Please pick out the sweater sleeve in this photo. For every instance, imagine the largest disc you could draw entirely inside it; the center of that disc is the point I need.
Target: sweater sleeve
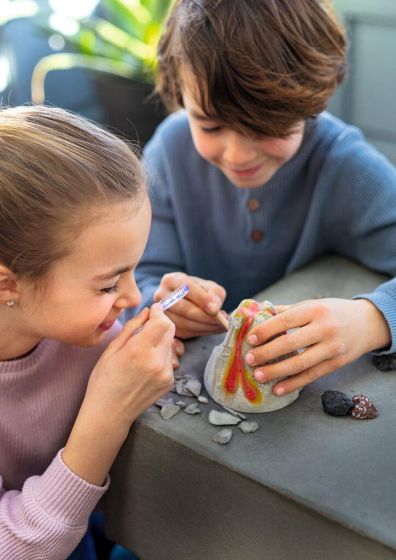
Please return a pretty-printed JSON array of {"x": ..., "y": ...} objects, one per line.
[
  {"x": 363, "y": 224},
  {"x": 49, "y": 516}
]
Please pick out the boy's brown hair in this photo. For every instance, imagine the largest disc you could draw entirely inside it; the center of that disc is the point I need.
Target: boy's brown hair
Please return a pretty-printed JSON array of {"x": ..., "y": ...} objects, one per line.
[
  {"x": 259, "y": 66},
  {"x": 57, "y": 171}
]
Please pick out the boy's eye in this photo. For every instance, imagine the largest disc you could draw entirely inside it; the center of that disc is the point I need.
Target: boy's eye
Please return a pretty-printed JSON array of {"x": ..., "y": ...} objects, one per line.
[
  {"x": 211, "y": 130},
  {"x": 110, "y": 289}
]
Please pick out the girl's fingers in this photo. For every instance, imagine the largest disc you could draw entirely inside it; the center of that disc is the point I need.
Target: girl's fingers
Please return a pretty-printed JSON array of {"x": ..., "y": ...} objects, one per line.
[
  {"x": 296, "y": 364},
  {"x": 156, "y": 329},
  {"x": 283, "y": 344},
  {"x": 178, "y": 346},
  {"x": 129, "y": 329}
]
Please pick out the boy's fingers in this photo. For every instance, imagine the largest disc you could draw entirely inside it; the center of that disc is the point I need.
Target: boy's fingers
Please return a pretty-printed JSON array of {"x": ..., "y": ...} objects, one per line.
[
  {"x": 296, "y": 316},
  {"x": 188, "y": 310},
  {"x": 194, "y": 327},
  {"x": 198, "y": 294}
]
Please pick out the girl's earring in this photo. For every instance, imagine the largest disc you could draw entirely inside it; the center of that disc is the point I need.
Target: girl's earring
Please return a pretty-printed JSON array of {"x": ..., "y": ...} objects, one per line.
[{"x": 10, "y": 302}]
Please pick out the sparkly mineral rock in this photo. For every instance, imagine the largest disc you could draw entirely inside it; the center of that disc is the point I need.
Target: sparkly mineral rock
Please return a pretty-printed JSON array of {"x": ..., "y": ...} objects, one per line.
[{"x": 364, "y": 408}]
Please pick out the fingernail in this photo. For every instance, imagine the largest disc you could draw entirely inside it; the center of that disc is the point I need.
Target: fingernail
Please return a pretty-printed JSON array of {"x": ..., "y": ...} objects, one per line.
[
  {"x": 249, "y": 358},
  {"x": 279, "y": 391},
  {"x": 212, "y": 307},
  {"x": 259, "y": 376},
  {"x": 252, "y": 339}
]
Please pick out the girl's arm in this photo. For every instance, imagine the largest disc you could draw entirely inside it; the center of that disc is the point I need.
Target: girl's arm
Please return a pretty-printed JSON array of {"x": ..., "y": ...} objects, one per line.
[
  {"x": 47, "y": 519},
  {"x": 49, "y": 516}
]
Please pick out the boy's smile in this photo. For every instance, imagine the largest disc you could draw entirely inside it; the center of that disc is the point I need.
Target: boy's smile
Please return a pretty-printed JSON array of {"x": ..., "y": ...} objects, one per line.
[{"x": 246, "y": 162}]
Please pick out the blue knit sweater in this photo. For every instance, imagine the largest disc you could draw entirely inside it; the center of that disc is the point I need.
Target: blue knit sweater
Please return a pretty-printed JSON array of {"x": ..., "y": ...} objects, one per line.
[{"x": 337, "y": 195}]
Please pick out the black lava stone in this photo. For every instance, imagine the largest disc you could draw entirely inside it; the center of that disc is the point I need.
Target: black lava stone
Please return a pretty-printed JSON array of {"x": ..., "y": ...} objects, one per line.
[
  {"x": 336, "y": 403},
  {"x": 385, "y": 362}
]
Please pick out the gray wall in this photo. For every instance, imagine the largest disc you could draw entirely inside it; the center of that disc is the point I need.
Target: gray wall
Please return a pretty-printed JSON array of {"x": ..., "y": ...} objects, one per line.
[{"x": 368, "y": 98}]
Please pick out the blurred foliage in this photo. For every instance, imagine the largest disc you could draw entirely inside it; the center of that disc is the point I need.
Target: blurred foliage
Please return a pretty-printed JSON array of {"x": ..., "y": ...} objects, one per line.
[{"x": 119, "y": 38}]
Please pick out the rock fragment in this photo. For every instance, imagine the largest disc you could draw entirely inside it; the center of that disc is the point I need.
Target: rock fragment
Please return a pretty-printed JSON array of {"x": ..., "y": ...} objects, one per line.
[
  {"x": 235, "y": 413},
  {"x": 336, "y": 403},
  {"x": 182, "y": 404},
  {"x": 385, "y": 362},
  {"x": 169, "y": 410},
  {"x": 248, "y": 427},
  {"x": 223, "y": 437},
  {"x": 192, "y": 409},
  {"x": 194, "y": 386},
  {"x": 203, "y": 399},
  {"x": 364, "y": 408},
  {"x": 223, "y": 418}
]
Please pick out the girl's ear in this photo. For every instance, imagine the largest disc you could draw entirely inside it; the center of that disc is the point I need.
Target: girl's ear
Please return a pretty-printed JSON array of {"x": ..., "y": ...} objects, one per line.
[{"x": 8, "y": 286}]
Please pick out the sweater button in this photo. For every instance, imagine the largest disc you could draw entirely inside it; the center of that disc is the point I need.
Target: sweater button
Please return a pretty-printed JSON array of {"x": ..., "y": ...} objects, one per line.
[
  {"x": 257, "y": 235},
  {"x": 253, "y": 204}
]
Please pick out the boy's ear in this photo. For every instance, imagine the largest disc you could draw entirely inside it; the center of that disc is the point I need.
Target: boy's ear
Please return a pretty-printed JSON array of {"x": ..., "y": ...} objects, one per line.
[{"x": 8, "y": 285}]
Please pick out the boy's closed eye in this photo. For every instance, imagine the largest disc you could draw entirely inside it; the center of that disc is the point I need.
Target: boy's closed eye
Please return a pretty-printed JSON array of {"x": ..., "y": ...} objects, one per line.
[{"x": 211, "y": 129}]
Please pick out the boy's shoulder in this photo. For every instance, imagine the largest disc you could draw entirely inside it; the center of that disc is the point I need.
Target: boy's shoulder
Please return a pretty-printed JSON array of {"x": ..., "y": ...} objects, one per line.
[{"x": 173, "y": 132}]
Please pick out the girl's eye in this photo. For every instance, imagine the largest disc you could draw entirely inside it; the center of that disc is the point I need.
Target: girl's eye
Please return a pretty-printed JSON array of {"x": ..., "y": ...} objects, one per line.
[
  {"x": 110, "y": 289},
  {"x": 211, "y": 130}
]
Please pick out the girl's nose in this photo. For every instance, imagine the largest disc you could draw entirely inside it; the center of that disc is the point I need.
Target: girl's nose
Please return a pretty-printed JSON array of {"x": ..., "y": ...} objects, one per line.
[{"x": 129, "y": 293}]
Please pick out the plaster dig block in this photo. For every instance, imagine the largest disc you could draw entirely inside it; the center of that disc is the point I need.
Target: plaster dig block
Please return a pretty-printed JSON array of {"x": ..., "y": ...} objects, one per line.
[{"x": 228, "y": 378}]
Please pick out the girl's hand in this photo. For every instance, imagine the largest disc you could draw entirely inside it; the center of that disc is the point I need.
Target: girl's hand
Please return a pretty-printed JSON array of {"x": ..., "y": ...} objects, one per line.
[
  {"x": 331, "y": 332},
  {"x": 177, "y": 352},
  {"x": 194, "y": 315},
  {"x": 135, "y": 370}
]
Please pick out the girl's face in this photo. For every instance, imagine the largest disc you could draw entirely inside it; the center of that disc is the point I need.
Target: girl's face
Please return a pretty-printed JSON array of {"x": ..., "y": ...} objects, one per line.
[
  {"x": 89, "y": 288},
  {"x": 246, "y": 162}
]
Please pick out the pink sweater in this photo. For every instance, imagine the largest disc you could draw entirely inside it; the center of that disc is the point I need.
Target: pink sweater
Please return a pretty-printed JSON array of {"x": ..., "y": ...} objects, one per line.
[{"x": 44, "y": 507}]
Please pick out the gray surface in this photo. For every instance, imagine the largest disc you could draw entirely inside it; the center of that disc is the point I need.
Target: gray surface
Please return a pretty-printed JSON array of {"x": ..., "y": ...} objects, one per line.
[{"x": 305, "y": 485}]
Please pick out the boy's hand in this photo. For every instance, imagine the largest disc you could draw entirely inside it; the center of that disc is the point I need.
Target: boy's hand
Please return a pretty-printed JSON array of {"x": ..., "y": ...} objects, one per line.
[
  {"x": 331, "y": 332},
  {"x": 194, "y": 315}
]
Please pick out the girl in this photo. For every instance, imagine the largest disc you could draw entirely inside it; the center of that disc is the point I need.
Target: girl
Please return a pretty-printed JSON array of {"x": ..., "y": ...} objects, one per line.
[
  {"x": 253, "y": 180},
  {"x": 74, "y": 220}
]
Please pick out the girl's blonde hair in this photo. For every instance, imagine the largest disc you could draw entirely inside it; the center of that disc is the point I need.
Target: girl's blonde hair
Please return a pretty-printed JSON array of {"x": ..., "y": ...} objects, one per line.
[{"x": 55, "y": 167}]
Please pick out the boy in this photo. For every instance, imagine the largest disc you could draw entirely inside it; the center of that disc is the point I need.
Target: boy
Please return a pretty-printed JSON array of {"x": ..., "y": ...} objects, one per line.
[{"x": 253, "y": 180}]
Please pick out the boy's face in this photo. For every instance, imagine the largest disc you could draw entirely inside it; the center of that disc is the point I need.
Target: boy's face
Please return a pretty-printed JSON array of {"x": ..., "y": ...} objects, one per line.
[
  {"x": 247, "y": 163},
  {"x": 89, "y": 288}
]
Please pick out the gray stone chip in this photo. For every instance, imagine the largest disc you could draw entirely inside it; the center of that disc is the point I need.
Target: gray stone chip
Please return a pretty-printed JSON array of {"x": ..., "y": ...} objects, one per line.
[
  {"x": 223, "y": 437},
  {"x": 223, "y": 418},
  {"x": 169, "y": 410},
  {"x": 235, "y": 413},
  {"x": 192, "y": 409},
  {"x": 194, "y": 386},
  {"x": 203, "y": 399},
  {"x": 248, "y": 427}
]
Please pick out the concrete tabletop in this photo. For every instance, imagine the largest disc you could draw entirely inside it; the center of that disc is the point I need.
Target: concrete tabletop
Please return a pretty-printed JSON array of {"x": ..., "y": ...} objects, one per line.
[{"x": 306, "y": 485}]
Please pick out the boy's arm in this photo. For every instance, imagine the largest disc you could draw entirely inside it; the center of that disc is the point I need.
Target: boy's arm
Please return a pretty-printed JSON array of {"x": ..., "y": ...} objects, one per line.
[{"x": 163, "y": 253}]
